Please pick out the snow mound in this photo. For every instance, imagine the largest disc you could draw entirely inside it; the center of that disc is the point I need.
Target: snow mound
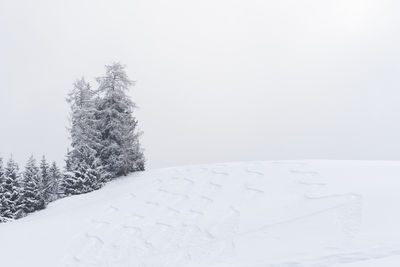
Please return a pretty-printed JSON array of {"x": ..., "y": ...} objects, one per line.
[{"x": 256, "y": 214}]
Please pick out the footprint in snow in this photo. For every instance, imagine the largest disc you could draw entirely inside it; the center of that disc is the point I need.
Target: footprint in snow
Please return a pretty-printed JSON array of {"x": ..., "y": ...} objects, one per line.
[
  {"x": 163, "y": 191},
  {"x": 130, "y": 196},
  {"x": 148, "y": 244},
  {"x": 253, "y": 189},
  {"x": 183, "y": 196},
  {"x": 235, "y": 210},
  {"x": 311, "y": 183},
  {"x": 303, "y": 172},
  {"x": 207, "y": 199},
  {"x": 100, "y": 223},
  {"x": 164, "y": 224},
  {"x": 152, "y": 203},
  {"x": 113, "y": 208},
  {"x": 94, "y": 237},
  {"x": 220, "y": 173},
  {"x": 189, "y": 180},
  {"x": 136, "y": 216},
  {"x": 195, "y": 227},
  {"x": 132, "y": 229},
  {"x": 199, "y": 213},
  {"x": 174, "y": 210},
  {"x": 254, "y": 172},
  {"x": 158, "y": 180},
  {"x": 210, "y": 235},
  {"x": 215, "y": 185}
]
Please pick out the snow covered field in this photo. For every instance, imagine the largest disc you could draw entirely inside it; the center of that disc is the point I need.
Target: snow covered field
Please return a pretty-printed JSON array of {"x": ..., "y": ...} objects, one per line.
[{"x": 255, "y": 214}]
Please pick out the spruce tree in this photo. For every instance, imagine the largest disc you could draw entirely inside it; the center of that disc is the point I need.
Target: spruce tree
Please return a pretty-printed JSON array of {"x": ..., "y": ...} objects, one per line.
[
  {"x": 11, "y": 206},
  {"x": 1, "y": 169},
  {"x": 81, "y": 180},
  {"x": 1, "y": 173},
  {"x": 32, "y": 183},
  {"x": 83, "y": 168},
  {"x": 120, "y": 151},
  {"x": 46, "y": 181},
  {"x": 2, "y": 180},
  {"x": 55, "y": 177}
]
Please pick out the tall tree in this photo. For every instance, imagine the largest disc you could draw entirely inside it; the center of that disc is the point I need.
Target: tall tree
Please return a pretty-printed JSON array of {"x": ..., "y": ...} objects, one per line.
[
  {"x": 120, "y": 151},
  {"x": 11, "y": 206},
  {"x": 83, "y": 168},
  {"x": 32, "y": 183}
]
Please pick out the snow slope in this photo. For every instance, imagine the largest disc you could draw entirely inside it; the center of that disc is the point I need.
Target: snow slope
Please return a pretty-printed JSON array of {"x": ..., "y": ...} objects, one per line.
[{"x": 256, "y": 214}]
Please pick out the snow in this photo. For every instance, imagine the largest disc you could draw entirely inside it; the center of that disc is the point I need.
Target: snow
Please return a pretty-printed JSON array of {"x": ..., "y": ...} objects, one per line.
[{"x": 251, "y": 214}]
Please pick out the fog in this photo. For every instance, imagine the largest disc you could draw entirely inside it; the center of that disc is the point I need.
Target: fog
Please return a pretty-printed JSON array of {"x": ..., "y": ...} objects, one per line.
[{"x": 217, "y": 80}]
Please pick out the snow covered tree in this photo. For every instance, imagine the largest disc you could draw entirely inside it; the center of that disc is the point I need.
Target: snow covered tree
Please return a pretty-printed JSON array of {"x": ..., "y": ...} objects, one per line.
[
  {"x": 46, "y": 180},
  {"x": 55, "y": 177},
  {"x": 83, "y": 179},
  {"x": 32, "y": 184},
  {"x": 11, "y": 206},
  {"x": 104, "y": 135},
  {"x": 1, "y": 173},
  {"x": 2, "y": 179},
  {"x": 120, "y": 151},
  {"x": 83, "y": 167},
  {"x": 1, "y": 169}
]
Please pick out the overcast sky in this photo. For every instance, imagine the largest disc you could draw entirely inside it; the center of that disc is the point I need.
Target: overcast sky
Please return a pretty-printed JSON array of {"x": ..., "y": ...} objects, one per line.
[{"x": 217, "y": 80}]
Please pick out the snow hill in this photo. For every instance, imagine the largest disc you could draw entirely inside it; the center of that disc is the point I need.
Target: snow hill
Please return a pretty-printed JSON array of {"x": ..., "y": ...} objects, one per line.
[{"x": 256, "y": 214}]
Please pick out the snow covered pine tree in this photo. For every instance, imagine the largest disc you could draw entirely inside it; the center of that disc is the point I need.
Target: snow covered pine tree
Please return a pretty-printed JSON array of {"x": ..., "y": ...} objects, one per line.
[
  {"x": 1, "y": 169},
  {"x": 54, "y": 188},
  {"x": 83, "y": 169},
  {"x": 104, "y": 135},
  {"x": 11, "y": 206},
  {"x": 2, "y": 180},
  {"x": 32, "y": 183},
  {"x": 48, "y": 181},
  {"x": 120, "y": 151}
]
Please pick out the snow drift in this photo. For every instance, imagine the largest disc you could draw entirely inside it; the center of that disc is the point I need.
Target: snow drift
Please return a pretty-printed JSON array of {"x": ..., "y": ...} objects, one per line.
[{"x": 256, "y": 214}]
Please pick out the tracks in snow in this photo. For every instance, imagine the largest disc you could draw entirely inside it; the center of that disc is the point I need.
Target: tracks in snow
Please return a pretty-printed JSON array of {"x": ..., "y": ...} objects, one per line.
[
  {"x": 349, "y": 213},
  {"x": 173, "y": 222},
  {"x": 178, "y": 208},
  {"x": 339, "y": 258}
]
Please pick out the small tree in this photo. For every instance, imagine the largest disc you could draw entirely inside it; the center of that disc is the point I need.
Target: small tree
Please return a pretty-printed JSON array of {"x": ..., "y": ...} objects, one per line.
[
  {"x": 11, "y": 206},
  {"x": 82, "y": 180},
  {"x": 1, "y": 173},
  {"x": 56, "y": 178},
  {"x": 47, "y": 182},
  {"x": 1, "y": 170},
  {"x": 33, "y": 198},
  {"x": 2, "y": 180}
]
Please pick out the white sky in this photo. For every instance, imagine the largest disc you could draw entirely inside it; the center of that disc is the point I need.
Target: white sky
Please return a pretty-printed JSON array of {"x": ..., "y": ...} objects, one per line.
[{"x": 217, "y": 80}]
